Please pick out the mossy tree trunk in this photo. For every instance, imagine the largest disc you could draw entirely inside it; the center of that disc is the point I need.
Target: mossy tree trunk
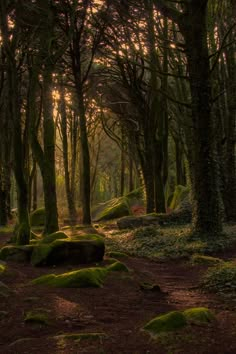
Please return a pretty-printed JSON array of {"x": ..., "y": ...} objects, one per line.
[
  {"x": 207, "y": 212},
  {"x": 68, "y": 174},
  {"x": 9, "y": 47}
]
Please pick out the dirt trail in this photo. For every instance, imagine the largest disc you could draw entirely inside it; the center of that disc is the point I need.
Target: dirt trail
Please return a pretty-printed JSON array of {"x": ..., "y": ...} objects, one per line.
[{"x": 119, "y": 309}]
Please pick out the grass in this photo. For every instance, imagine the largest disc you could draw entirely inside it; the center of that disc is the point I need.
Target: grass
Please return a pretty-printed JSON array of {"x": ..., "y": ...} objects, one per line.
[{"x": 167, "y": 242}]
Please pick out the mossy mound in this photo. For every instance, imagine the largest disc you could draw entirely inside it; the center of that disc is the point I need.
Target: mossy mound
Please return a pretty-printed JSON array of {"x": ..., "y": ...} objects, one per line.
[
  {"x": 77, "y": 250},
  {"x": 221, "y": 278},
  {"x": 205, "y": 260},
  {"x": 117, "y": 254},
  {"x": 83, "y": 278},
  {"x": 117, "y": 267},
  {"x": 53, "y": 237},
  {"x": 198, "y": 315},
  {"x": 180, "y": 193},
  {"x": 36, "y": 317},
  {"x": 113, "y": 209},
  {"x": 168, "y": 322},
  {"x": 37, "y": 217},
  {"x": 2, "y": 268},
  {"x": 16, "y": 253},
  {"x": 77, "y": 337}
]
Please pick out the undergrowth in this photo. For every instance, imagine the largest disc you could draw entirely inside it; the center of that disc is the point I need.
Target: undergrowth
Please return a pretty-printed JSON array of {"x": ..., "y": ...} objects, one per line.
[{"x": 167, "y": 242}]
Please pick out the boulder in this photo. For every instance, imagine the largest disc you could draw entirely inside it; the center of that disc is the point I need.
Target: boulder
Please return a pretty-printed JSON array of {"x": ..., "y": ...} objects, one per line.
[
  {"x": 132, "y": 222},
  {"x": 81, "y": 249},
  {"x": 37, "y": 217},
  {"x": 112, "y": 209},
  {"x": 16, "y": 253}
]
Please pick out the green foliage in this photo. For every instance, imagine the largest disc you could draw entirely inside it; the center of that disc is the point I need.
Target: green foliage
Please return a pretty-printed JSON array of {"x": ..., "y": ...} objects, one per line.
[
  {"x": 36, "y": 317},
  {"x": 167, "y": 242},
  {"x": 205, "y": 260},
  {"x": 37, "y": 217},
  {"x": 168, "y": 322},
  {"x": 83, "y": 278},
  {"x": 117, "y": 267},
  {"x": 198, "y": 315},
  {"x": 180, "y": 194},
  {"x": 2, "y": 268},
  {"x": 221, "y": 279}
]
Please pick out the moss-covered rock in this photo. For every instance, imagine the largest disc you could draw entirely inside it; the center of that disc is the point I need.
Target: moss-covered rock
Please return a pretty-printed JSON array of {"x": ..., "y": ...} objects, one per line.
[
  {"x": 16, "y": 253},
  {"x": 116, "y": 254},
  {"x": 59, "y": 235},
  {"x": 83, "y": 278},
  {"x": 36, "y": 317},
  {"x": 117, "y": 267},
  {"x": 37, "y": 217},
  {"x": 205, "y": 260},
  {"x": 77, "y": 250},
  {"x": 198, "y": 315},
  {"x": 168, "y": 322},
  {"x": 131, "y": 222},
  {"x": 115, "y": 208}
]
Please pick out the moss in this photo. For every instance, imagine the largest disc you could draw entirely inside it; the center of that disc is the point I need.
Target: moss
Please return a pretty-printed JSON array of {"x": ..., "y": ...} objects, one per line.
[
  {"x": 150, "y": 287},
  {"x": 180, "y": 194},
  {"x": 205, "y": 260},
  {"x": 117, "y": 254},
  {"x": 75, "y": 250},
  {"x": 83, "y": 278},
  {"x": 114, "y": 208},
  {"x": 168, "y": 322},
  {"x": 117, "y": 267},
  {"x": 37, "y": 217},
  {"x": 36, "y": 317},
  {"x": 16, "y": 253},
  {"x": 198, "y": 315},
  {"x": 2, "y": 268},
  {"x": 77, "y": 337},
  {"x": 52, "y": 237},
  {"x": 6, "y": 229}
]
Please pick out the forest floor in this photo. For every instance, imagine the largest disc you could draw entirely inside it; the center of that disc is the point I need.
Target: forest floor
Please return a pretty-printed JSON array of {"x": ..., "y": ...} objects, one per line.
[{"x": 118, "y": 311}]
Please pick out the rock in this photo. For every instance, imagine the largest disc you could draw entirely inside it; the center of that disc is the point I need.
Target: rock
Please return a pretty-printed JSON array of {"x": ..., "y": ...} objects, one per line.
[
  {"x": 36, "y": 317},
  {"x": 83, "y": 278},
  {"x": 116, "y": 254},
  {"x": 168, "y": 322},
  {"x": 112, "y": 209},
  {"x": 53, "y": 237},
  {"x": 198, "y": 315},
  {"x": 117, "y": 267},
  {"x": 16, "y": 253},
  {"x": 131, "y": 222},
  {"x": 37, "y": 217},
  {"x": 150, "y": 287},
  {"x": 78, "y": 250}
]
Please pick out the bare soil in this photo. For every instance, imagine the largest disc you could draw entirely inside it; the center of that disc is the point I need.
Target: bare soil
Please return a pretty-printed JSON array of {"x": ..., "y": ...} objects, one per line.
[{"x": 119, "y": 310}]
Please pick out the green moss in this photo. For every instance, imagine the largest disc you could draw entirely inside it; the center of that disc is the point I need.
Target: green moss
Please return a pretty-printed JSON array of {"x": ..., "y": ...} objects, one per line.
[
  {"x": 36, "y": 317},
  {"x": 198, "y": 315},
  {"x": 77, "y": 249},
  {"x": 6, "y": 229},
  {"x": 52, "y": 237},
  {"x": 221, "y": 279},
  {"x": 150, "y": 287},
  {"x": 2, "y": 268},
  {"x": 37, "y": 217},
  {"x": 16, "y": 253},
  {"x": 180, "y": 194},
  {"x": 117, "y": 267},
  {"x": 168, "y": 322},
  {"x": 115, "y": 210},
  {"x": 117, "y": 254},
  {"x": 77, "y": 337},
  {"x": 83, "y": 278},
  {"x": 205, "y": 260}
]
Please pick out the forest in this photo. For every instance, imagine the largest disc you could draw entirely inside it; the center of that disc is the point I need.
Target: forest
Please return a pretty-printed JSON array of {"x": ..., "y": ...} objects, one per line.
[{"x": 118, "y": 176}]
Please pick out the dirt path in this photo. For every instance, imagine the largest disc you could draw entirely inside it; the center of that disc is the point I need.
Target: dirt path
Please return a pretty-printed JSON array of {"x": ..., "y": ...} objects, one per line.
[{"x": 119, "y": 309}]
